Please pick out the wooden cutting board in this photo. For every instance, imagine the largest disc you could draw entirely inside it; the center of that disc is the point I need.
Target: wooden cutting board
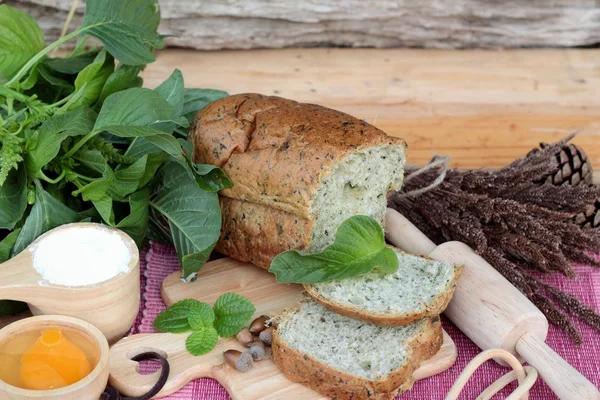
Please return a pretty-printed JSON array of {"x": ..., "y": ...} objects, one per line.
[{"x": 264, "y": 381}]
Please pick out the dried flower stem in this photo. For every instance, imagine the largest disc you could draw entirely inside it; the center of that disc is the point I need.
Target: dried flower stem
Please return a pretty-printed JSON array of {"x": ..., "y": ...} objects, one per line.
[{"x": 520, "y": 227}]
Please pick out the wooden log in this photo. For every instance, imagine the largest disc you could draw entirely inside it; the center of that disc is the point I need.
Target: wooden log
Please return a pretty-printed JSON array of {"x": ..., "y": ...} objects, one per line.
[{"x": 245, "y": 24}]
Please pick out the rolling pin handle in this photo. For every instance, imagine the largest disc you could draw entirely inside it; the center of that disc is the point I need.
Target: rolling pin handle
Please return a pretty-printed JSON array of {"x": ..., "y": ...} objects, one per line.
[
  {"x": 405, "y": 235},
  {"x": 563, "y": 379}
]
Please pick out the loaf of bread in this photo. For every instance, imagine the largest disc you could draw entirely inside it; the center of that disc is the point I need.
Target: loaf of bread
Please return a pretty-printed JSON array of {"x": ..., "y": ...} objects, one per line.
[
  {"x": 347, "y": 359},
  {"x": 420, "y": 288},
  {"x": 299, "y": 170}
]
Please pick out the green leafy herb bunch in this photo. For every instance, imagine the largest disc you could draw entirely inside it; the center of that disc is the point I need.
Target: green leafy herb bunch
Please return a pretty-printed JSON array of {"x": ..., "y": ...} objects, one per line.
[{"x": 81, "y": 140}]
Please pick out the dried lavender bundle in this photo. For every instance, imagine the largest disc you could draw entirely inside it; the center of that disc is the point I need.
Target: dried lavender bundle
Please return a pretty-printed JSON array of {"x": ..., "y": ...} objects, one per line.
[{"x": 520, "y": 226}]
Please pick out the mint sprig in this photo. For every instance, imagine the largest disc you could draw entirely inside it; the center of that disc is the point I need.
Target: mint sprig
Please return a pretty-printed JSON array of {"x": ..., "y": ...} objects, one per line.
[
  {"x": 229, "y": 315},
  {"x": 232, "y": 312},
  {"x": 359, "y": 247},
  {"x": 202, "y": 341},
  {"x": 201, "y": 317}
]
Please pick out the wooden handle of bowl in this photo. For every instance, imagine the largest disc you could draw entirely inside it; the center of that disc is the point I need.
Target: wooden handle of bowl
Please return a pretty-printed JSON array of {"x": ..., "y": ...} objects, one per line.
[
  {"x": 488, "y": 308},
  {"x": 563, "y": 379},
  {"x": 17, "y": 274}
]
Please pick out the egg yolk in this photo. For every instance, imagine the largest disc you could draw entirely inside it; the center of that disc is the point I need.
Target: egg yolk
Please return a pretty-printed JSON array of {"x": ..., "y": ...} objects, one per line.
[{"x": 53, "y": 362}]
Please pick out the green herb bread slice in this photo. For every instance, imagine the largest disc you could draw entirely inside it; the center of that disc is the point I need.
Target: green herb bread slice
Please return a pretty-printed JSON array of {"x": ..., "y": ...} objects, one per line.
[
  {"x": 299, "y": 170},
  {"x": 344, "y": 358},
  {"x": 421, "y": 287}
]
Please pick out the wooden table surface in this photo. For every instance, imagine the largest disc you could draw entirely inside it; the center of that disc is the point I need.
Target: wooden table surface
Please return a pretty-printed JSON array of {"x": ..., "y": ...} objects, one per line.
[{"x": 482, "y": 108}]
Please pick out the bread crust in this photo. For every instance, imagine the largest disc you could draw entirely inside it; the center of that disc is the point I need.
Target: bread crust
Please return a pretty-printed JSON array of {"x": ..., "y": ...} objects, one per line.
[
  {"x": 338, "y": 385},
  {"x": 276, "y": 151},
  {"x": 433, "y": 309},
  {"x": 257, "y": 233}
]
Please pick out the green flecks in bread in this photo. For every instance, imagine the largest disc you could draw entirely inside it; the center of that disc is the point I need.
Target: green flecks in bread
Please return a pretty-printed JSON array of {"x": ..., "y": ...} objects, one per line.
[
  {"x": 420, "y": 287},
  {"x": 356, "y": 186}
]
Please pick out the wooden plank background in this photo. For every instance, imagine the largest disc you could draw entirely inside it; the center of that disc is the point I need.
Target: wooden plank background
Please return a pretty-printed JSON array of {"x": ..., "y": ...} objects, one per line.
[{"x": 482, "y": 108}]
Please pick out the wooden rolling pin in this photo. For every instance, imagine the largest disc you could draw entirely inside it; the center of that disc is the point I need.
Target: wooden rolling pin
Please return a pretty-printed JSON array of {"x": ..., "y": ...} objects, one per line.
[{"x": 492, "y": 312}]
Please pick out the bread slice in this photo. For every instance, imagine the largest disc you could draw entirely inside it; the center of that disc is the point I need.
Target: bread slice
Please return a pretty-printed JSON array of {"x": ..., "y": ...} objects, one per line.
[
  {"x": 421, "y": 287},
  {"x": 299, "y": 170},
  {"x": 344, "y": 358}
]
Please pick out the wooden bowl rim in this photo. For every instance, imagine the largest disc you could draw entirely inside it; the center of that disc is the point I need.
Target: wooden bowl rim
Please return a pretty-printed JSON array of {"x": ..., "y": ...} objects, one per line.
[
  {"x": 133, "y": 265},
  {"x": 58, "y": 320}
]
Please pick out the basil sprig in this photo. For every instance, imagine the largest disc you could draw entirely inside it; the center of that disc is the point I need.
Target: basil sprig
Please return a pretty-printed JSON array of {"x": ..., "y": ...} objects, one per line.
[
  {"x": 81, "y": 140},
  {"x": 359, "y": 247}
]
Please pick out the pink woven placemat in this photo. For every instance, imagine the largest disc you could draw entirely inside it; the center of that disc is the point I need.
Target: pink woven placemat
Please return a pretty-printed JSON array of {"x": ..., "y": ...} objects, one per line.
[{"x": 160, "y": 260}]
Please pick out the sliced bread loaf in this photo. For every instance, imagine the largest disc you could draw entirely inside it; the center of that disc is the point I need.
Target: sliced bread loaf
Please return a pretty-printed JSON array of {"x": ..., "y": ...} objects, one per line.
[
  {"x": 299, "y": 170},
  {"x": 421, "y": 287},
  {"x": 344, "y": 358}
]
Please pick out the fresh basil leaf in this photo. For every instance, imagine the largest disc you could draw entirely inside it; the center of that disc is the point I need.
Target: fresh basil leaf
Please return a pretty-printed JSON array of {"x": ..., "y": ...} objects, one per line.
[
  {"x": 93, "y": 160},
  {"x": 127, "y": 180},
  {"x": 133, "y": 107},
  {"x": 45, "y": 144},
  {"x": 80, "y": 46},
  {"x": 92, "y": 78},
  {"x": 140, "y": 147},
  {"x": 97, "y": 189},
  {"x": 170, "y": 125},
  {"x": 156, "y": 157},
  {"x": 188, "y": 149},
  {"x": 47, "y": 213},
  {"x": 7, "y": 244},
  {"x": 202, "y": 341},
  {"x": 70, "y": 65},
  {"x": 128, "y": 29},
  {"x": 211, "y": 178},
  {"x": 31, "y": 79},
  {"x": 13, "y": 198},
  {"x": 155, "y": 160},
  {"x": 358, "y": 248},
  {"x": 158, "y": 139},
  {"x": 124, "y": 77},
  {"x": 193, "y": 214},
  {"x": 172, "y": 91},
  {"x": 157, "y": 231},
  {"x": 74, "y": 101},
  {"x": 232, "y": 313},
  {"x": 192, "y": 262},
  {"x": 132, "y": 131},
  {"x": 20, "y": 39},
  {"x": 104, "y": 206},
  {"x": 136, "y": 223},
  {"x": 52, "y": 79},
  {"x": 194, "y": 100},
  {"x": 175, "y": 318},
  {"x": 201, "y": 316}
]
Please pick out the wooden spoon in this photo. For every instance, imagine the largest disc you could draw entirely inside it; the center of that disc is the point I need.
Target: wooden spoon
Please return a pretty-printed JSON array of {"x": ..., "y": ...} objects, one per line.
[{"x": 111, "y": 305}]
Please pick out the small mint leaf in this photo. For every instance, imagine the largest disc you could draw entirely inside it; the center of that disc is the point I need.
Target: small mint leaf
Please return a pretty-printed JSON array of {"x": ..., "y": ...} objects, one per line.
[
  {"x": 175, "y": 318},
  {"x": 232, "y": 313},
  {"x": 202, "y": 341},
  {"x": 201, "y": 316}
]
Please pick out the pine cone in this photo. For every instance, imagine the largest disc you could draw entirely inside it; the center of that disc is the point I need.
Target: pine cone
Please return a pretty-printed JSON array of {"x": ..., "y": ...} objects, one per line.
[
  {"x": 575, "y": 167},
  {"x": 590, "y": 218}
]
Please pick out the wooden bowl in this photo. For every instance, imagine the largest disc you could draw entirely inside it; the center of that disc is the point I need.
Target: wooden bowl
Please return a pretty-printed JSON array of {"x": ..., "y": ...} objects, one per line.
[
  {"x": 89, "y": 388},
  {"x": 111, "y": 305}
]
